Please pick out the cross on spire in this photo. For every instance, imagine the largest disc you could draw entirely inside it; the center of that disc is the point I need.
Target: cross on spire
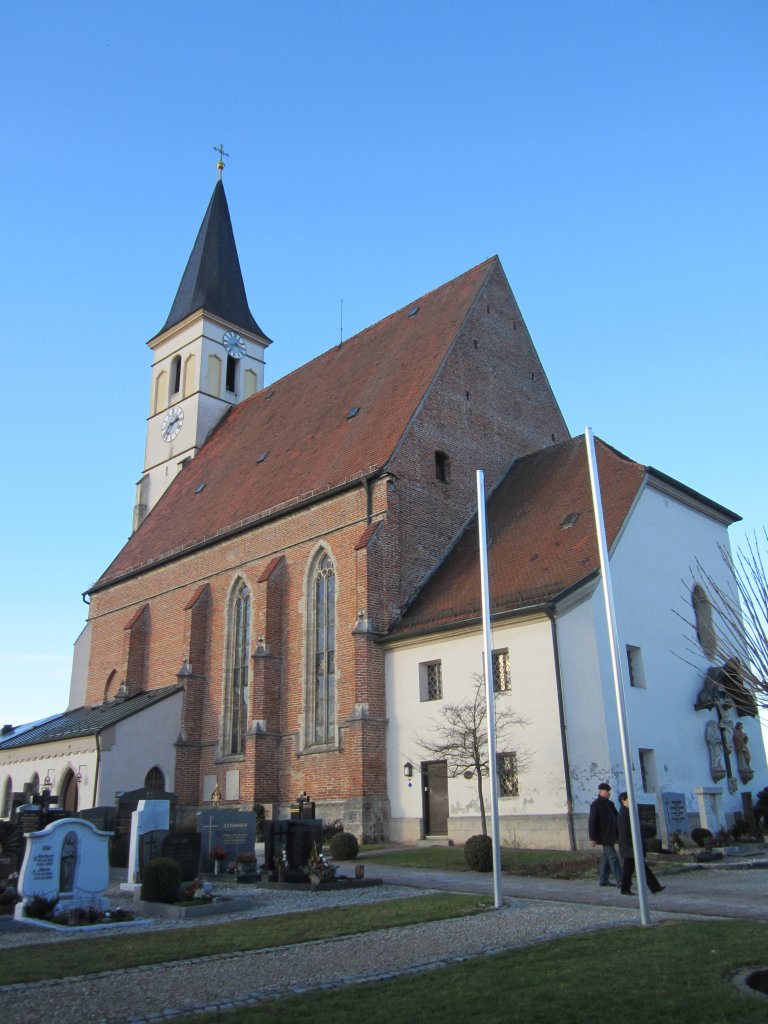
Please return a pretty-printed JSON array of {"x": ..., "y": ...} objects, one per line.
[{"x": 220, "y": 165}]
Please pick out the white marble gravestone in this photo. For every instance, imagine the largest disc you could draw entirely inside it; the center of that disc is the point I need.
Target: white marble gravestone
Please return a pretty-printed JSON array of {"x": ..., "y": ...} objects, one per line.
[
  {"x": 149, "y": 816},
  {"x": 68, "y": 860}
]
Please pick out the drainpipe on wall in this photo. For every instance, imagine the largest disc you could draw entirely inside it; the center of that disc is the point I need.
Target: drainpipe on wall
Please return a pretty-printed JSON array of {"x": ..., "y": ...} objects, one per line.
[
  {"x": 563, "y": 737},
  {"x": 96, "y": 773}
]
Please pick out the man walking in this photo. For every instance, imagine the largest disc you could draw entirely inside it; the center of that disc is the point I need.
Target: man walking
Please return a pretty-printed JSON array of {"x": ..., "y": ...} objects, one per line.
[{"x": 603, "y": 831}]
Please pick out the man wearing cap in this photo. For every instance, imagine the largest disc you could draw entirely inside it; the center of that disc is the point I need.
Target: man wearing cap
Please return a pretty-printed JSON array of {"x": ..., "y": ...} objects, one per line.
[{"x": 604, "y": 831}]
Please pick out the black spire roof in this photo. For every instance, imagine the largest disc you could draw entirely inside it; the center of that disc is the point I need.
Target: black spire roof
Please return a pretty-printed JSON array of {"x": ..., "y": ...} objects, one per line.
[{"x": 213, "y": 280}]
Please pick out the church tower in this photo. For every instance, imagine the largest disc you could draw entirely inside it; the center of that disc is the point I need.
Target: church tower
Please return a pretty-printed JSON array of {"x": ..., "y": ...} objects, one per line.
[{"x": 208, "y": 357}]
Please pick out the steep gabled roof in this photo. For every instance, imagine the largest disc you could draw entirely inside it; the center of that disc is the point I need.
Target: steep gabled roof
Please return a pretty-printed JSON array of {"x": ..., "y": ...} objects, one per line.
[
  {"x": 87, "y": 721},
  {"x": 212, "y": 279},
  {"x": 334, "y": 420},
  {"x": 541, "y": 536}
]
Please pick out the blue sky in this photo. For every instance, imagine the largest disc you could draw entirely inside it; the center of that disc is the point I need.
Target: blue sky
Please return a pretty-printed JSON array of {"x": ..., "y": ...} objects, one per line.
[{"x": 612, "y": 153}]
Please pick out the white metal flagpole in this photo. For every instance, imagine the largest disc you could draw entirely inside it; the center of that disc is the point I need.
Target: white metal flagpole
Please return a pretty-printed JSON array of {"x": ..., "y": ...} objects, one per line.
[
  {"x": 489, "y": 697},
  {"x": 610, "y": 611}
]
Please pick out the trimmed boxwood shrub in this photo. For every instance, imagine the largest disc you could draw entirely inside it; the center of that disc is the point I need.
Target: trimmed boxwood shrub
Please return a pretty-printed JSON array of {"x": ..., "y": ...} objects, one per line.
[
  {"x": 478, "y": 853},
  {"x": 161, "y": 881},
  {"x": 344, "y": 846}
]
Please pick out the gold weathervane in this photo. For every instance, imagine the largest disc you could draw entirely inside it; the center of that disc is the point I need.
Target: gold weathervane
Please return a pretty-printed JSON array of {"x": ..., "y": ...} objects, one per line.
[{"x": 220, "y": 165}]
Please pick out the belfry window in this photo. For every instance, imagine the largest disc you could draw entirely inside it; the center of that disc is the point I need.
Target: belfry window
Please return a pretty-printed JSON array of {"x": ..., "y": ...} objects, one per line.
[
  {"x": 323, "y": 652},
  {"x": 231, "y": 375},
  {"x": 237, "y": 690},
  {"x": 175, "y": 375},
  {"x": 442, "y": 467}
]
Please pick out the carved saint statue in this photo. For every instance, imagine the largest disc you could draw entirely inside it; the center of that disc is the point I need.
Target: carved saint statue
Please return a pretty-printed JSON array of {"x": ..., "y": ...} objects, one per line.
[
  {"x": 715, "y": 744},
  {"x": 743, "y": 756}
]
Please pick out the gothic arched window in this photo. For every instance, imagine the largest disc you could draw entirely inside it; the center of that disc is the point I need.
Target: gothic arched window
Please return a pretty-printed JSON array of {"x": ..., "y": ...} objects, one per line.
[
  {"x": 237, "y": 684},
  {"x": 322, "y": 661},
  {"x": 155, "y": 780}
]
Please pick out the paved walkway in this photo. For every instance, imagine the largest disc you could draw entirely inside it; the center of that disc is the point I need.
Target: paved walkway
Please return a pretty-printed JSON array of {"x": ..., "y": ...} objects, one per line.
[{"x": 535, "y": 910}]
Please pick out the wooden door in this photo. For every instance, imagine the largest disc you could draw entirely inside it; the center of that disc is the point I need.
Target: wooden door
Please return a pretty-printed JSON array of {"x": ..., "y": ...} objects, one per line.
[{"x": 434, "y": 780}]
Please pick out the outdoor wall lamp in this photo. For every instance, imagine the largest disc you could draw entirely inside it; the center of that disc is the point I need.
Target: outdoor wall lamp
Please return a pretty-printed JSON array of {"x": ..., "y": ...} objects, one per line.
[
  {"x": 48, "y": 780},
  {"x": 408, "y": 770},
  {"x": 79, "y": 776}
]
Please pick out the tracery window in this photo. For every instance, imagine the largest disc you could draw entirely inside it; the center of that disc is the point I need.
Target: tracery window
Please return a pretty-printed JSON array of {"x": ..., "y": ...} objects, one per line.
[
  {"x": 323, "y": 652},
  {"x": 239, "y": 632}
]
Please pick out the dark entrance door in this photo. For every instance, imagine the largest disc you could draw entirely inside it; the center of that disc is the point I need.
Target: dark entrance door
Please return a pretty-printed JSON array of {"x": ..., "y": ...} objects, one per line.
[{"x": 434, "y": 782}]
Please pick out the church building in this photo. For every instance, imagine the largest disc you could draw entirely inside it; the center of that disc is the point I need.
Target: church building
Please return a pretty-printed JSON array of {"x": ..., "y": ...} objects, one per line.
[{"x": 299, "y": 593}]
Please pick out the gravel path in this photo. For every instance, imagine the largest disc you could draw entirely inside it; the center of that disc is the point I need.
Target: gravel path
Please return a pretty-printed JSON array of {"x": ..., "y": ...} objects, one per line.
[{"x": 222, "y": 982}]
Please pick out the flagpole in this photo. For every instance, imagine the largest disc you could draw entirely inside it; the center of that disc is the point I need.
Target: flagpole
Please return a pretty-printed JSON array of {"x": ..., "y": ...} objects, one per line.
[
  {"x": 621, "y": 709},
  {"x": 489, "y": 697}
]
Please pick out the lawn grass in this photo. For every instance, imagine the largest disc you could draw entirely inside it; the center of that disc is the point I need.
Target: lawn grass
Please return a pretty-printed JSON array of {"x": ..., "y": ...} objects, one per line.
[
  {"x": 137, "y": 947},
  {"x": 540, "y": 863},
  {"x": 671, "y": 972}
]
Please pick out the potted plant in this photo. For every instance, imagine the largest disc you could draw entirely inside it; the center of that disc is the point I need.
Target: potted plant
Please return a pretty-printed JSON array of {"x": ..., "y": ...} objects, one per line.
[
  {"x": 219, "y": 855},
  {"x": 245, "y": 867}
]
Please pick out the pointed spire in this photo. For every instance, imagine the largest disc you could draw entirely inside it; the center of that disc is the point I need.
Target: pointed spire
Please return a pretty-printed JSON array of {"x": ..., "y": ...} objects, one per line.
[{"x": 213, "y": 280}]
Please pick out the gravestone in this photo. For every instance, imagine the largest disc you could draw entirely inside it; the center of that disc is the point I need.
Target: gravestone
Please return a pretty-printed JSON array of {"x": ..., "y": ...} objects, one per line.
[
  {"x": 127, "y": 803},
  {"x": 184, "y": 848},
  {"x": 235, "y": 831},
  {"x": 150, "y": 847},
  {"x": 294, "y": 838},
  {"x": 149, "y": 816},
  {"x": 104, "y": 818},
  {"x": 29, "y": 818},
  {"x": 647, "y": 815},
  {"x": 674, "y": 817},
  {"x": 68, "y": 860}
]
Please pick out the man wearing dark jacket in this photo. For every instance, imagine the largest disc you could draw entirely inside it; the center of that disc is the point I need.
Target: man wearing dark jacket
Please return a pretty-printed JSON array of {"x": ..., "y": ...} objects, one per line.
[
  {"x": 603, "y": 831},
  {"x": 627, "y": 852}
]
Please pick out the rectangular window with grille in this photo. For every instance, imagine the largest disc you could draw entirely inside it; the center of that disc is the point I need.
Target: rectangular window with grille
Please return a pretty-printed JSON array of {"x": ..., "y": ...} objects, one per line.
[
  {"x": 506, "y": 766},
  {"x": 430, "y": 681},
  {"x": 636, "y": 669},
  {"x": 502, "y": 682}
]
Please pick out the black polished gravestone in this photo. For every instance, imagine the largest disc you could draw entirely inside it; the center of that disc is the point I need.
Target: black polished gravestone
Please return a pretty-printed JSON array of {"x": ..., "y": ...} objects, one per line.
[
  {"x": 647, "y": 815},
  {"x": 232, "y": 831},
  {"x": 103, "y": 817},
  {"x": 288, "y": 845},
  {"x": 150, "y": 847},
  {"x": 184, "y": 848}
]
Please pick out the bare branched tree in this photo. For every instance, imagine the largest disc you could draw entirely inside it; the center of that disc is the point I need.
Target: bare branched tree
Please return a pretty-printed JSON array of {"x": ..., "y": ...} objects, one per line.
[
  {"x": 736, "y": 631},
  {"x": 460, "y": 738}
]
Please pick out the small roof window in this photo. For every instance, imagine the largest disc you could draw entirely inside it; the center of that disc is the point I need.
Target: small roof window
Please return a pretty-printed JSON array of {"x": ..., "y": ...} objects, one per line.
[
  {"x": 263, "y": 456},
  {"x": 570, "y": 520},
  {"x": 200, "y": 487},
  {"x": 414, "y": 311},
  {"x": 353, "y": 412}
]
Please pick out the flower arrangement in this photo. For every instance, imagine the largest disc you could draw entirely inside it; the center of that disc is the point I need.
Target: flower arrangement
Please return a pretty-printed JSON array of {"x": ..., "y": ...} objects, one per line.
[
  {"x": 219, "y": 855},
  {"x": 320, "y": 867},
  {"x": 197, "y": 890}
]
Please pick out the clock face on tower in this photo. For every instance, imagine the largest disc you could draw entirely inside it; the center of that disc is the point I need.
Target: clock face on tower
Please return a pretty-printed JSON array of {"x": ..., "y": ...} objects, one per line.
[
  {"x": 234, "y": 345},
  {"x": 172, "y": 422}
]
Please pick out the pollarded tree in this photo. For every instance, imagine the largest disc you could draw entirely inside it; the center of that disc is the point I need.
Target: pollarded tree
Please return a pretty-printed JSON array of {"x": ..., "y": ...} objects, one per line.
[
  {"x": 731, "y": 622},
  {"x": 460, "y": 738}
]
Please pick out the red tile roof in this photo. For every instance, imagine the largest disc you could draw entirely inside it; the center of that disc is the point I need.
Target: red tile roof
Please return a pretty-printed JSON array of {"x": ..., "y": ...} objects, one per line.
[
  {"x": 302, "y": 422},
  {"x": 532, "y": 555}
]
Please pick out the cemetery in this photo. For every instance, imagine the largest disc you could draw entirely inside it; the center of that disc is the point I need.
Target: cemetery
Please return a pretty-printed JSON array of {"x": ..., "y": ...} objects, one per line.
[{"x": 55, "y": 868}]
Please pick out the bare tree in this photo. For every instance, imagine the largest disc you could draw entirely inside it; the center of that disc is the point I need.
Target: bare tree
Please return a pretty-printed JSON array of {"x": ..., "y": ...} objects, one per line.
[
  {"x": 460, "y": 738},
  {"x": 734, "y": 631}
]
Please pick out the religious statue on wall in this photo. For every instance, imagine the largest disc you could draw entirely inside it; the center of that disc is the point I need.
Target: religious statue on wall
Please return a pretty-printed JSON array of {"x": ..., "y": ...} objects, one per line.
[
  {"x": 743, "y": 756},
  {"x": 715, "y": 744}
]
